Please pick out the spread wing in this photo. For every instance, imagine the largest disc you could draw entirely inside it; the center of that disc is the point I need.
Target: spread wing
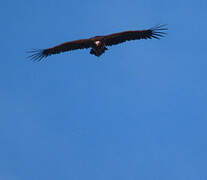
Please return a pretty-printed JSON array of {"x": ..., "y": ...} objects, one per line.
[
  {"x": 38, "y": 54},
  {"x": 116, "y": 38}
]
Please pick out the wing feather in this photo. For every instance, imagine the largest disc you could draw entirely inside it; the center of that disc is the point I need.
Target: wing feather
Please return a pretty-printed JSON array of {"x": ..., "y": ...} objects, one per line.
[
  {"x": 116, "y": 38},
  {"x": 38, "y": 54}
]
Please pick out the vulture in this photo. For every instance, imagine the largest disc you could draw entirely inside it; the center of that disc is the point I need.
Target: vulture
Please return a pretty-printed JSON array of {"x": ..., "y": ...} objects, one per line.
[{"x": 98, "y": 44}]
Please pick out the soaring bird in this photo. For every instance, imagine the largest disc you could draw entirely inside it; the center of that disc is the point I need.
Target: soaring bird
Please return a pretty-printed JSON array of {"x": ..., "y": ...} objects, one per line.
[{"x": 98, "y": 43}]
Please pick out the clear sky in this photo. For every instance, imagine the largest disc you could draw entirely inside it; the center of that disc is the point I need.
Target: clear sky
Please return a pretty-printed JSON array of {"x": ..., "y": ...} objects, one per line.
[{"x": 138, "y": 112}]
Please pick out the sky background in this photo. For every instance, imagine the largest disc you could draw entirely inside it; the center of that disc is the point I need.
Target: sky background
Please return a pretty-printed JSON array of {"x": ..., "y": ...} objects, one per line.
[{"x": 137, "y": 112}]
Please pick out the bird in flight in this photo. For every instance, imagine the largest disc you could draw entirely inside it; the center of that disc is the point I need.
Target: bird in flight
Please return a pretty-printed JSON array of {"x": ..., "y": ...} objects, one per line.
[{"x": 98, "y": 44}]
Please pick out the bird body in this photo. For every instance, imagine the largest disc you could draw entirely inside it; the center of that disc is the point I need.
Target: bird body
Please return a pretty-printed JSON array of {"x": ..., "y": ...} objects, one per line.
[{"x": 98, "y": 43}]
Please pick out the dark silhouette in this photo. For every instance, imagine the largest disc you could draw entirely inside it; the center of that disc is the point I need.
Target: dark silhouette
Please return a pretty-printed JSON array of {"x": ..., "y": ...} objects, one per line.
[{"x": 98, "y": 43}]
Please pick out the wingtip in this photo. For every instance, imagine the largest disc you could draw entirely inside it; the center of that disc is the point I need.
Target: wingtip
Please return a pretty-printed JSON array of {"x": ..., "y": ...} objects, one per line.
[
  {"x": 159, "y": 31},
  {"x": 36, "y": 54}
]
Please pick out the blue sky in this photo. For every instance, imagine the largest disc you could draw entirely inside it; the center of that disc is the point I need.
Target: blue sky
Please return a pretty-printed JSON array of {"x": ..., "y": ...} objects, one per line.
[{"x": 137, "y": 112}]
